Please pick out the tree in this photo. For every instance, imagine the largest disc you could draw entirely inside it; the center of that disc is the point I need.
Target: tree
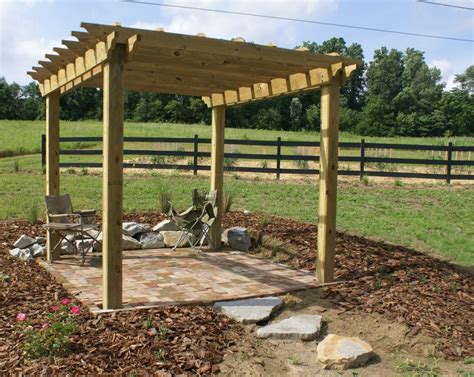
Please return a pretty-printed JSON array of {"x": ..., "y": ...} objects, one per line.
[
  {"x": 296, "y": 114},
  {"x": 81, "y": 104},
  {"x": 466, "y": 80},
  {"x": 9, "y": 100},
  {"x": 32, "y": 104}
]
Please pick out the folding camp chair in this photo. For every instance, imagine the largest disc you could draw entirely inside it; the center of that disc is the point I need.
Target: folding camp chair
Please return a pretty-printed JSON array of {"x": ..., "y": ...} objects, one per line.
[
  {"x": 195, "y": 222},
  {"x": 64, "y": 221}
]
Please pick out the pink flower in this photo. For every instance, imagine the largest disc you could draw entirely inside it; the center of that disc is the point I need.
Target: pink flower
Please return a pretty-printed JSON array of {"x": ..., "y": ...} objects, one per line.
[
  {"x": 21, "y": 317},
  {"x": 65, "y": 301},
  {"x": 44, "y": 326},
  {"x": 54, "y": 308},
  {"x": 76, "y": 310}
]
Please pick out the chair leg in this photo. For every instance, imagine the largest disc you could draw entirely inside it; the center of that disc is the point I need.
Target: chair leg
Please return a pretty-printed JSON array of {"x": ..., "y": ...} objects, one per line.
[{"x": 180, "y": 238}]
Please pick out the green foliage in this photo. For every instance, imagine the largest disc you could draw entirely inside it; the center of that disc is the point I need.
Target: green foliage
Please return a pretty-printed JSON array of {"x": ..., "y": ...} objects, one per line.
[
  {"x": 228, "y": 200},
  {"x": 4, "y": 277},
  {"x": 160, "y": 355},
  {"x": 33, "y": 213},
  {"x": 230, "y": 161},
  {"x": 148, "y": 323},
  {"x": 165, "y": 201},
  {"x": 412, "y": 368},
  {"x": 53, "y": 337},
  {"x": 16, "y": 166}
]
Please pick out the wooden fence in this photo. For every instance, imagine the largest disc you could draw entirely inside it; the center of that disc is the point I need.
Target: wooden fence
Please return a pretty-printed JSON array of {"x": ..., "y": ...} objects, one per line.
[{"x": 365, "y": 163}]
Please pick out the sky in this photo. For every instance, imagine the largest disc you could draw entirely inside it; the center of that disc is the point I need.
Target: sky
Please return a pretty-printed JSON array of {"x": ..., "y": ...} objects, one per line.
[{"x": 29, "y": 29}]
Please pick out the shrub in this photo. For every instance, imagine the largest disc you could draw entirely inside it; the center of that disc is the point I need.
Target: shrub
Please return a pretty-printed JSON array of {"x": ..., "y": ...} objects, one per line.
[
  {"x": 264, "y": 164},
  {"x": 16, "y": 166},
  {"x": 365, "y": 180},
  {"x": 158, "y": 160},
  {"x": 53, "y": 336},
  {"x": 228, "y": 200},
  {"x": 165, "y": 199},
  {"x": 302, "y": 164},
  {"x": 33, "y": 213},
  {"x": 230, "y": 161}
]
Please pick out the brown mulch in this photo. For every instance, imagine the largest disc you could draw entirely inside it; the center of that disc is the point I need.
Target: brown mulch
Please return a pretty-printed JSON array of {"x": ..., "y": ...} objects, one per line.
[
  {"x": 195, "y": 340},
  {"x": 404, "y": 285}
]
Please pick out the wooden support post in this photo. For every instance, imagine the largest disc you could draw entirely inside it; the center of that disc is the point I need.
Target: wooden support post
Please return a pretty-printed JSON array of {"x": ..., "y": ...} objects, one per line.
[
  {"x": 328, "y": 181},
  {"x": 52, "y": 163},
  {"x": 217, "y": 169},
  {"x": 112, "y": 196}
]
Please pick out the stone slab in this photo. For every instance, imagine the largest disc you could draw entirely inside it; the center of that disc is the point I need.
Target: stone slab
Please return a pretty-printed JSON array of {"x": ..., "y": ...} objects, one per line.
[
  {"x": 250, "y": 311},
  {"x": 299, "y": 327}
]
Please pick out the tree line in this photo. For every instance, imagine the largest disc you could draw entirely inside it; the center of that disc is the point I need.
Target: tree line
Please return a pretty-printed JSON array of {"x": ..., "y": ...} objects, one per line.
[{"x": 395, "y": 94}]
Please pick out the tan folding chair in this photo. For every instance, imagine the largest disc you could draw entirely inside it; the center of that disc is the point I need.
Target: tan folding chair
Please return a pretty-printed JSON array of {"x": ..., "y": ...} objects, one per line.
[{"x": 64, "y": 221}]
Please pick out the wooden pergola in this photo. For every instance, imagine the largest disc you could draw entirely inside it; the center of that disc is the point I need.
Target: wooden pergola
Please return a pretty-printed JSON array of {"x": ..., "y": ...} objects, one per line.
[{"x": 223, "y": 73}]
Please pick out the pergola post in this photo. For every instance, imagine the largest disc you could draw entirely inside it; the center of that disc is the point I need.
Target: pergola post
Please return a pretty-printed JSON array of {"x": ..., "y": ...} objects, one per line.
[
  {"x": 52, "y": 163},
  {"x": 217, "y": 170},
  {"x": 328, "y": 181},
  {"x": 112, "y": 197}
]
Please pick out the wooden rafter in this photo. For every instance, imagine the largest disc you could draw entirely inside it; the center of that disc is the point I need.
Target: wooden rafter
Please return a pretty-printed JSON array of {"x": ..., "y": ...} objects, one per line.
[{"x": 221, "y": 72}]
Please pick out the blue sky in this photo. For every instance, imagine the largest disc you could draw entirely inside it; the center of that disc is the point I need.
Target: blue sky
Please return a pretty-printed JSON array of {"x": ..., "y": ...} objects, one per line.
[{"x": 31, "y": 28}]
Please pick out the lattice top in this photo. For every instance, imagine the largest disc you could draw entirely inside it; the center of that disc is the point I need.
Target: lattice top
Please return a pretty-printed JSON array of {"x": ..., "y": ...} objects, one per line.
[{"x": 221, "y": 72}]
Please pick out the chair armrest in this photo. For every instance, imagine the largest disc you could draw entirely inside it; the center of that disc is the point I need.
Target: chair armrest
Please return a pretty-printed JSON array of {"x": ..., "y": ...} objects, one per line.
[
  {"x": 58, "y": 215},
  {"x": 86, "y": 212}
]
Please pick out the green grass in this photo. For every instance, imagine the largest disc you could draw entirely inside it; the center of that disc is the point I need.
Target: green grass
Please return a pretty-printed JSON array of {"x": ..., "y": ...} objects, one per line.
[
  {"x": 434, "y": 218},
  {"x": 23, "y": 137}
]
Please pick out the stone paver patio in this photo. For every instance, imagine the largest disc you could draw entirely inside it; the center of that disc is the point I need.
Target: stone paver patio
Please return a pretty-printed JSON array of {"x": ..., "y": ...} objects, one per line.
[{"x": 164, "y": 277}]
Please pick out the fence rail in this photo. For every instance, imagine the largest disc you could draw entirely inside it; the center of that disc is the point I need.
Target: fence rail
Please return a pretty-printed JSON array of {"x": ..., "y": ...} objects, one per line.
[{"x": 278, "y": 157}]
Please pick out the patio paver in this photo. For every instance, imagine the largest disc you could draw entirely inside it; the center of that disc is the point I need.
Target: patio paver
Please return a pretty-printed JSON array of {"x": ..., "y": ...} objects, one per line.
[{"x": 164, "y": 277}]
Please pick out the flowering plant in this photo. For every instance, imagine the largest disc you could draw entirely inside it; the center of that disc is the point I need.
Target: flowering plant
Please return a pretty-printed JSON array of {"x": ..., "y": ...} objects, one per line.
[{"x": 52, "y": 337}]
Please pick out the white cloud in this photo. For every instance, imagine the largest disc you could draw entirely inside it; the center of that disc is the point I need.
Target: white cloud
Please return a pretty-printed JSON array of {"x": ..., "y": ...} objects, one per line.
[
  {"x": 447, "y": 71},
  {"x": 253, "y": 29},
  {"x": 33, "y": 49}
]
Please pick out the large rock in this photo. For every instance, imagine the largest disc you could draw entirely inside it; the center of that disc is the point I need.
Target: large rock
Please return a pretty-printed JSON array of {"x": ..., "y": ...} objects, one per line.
[
  {"x": 237, "y": 238},
  {"x": 41, "y": 240},
  {"x": 299, "y": 327},
  {"x": 130, "y": 243},
  {"x": 67, "y": 247},
  {"x": 170, "y": 237},
  {"x": 38, "y": 250},
  {"x": 165, "y": 225},
  {"x": 342, "y": 352},
  {"x": 250, "y": 310},
  {"x": 151, "y": 240},
  {"x": 87, "y": 243},
  {"x": 26, "y": 255},
  {"x": 15, "y": 252},
  {"x": 24, "y": 242},
  {"x": 132, "y": 228}
]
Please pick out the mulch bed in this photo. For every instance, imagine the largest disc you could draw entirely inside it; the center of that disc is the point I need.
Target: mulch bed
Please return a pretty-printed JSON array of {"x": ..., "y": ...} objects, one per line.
[
  {"x": 195, "y": 341},
  {"x": 406, "y": 286},
  {"x": 402, "y": 284}
]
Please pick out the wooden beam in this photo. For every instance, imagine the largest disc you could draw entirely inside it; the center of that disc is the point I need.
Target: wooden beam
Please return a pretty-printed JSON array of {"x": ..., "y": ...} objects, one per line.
[
  {"x": 112, "y": 197},
  {"x": 328, "y": 181},
  {"x": 217, "y": 170},
  {"x": 52, "y": 163}
]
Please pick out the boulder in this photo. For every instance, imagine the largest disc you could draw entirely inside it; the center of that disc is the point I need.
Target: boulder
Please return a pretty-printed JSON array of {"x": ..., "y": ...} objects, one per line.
[
  {"x": 170, "y": 237},
  {"x": 88, "y": 245},
  {"x": 67, "y": 247},
  {"x": 26, "y": 255},
  {"x": 132, "y": 228},
  {"x": 165, "y": 225},
  {"x": 247, "y": 212},
  {"x": 298, "y": 327},
  {"x": 237, "y": 238},
  {"x": 250, "y": 310},
  {"x": 15, "y": 252},
  {"x": 41, "y": 241},
  {"x": 38, "y": 250},
  {"x": 342, "y": 352},
  {"x": 24, "y": 242},
  {"x": 130, "y": 243},
  {"x": 151, "y": 240}
]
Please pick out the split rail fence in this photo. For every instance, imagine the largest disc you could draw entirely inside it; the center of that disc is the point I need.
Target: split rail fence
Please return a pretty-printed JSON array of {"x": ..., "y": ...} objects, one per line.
[{"x": 445, "y": 157}]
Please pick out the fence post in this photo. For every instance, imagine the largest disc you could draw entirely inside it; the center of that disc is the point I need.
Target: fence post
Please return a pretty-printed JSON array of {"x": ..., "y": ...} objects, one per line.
[
  {"x": 362, "y": 157},
  {"x": 278, "y": 156},
  {"x": 43, "y": 150},
  {"x": 449, "y": 160},
  {"x": 195, "y": 160}
]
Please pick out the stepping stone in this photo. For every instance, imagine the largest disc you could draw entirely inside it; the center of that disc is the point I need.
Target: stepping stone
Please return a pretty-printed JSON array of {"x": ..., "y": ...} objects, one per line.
[
  {"x": 132, "y": 228},
  {"x": 342, "y": 352},
  {"x": 250, "y": 310},
  {"x": 298, "y": 327}
]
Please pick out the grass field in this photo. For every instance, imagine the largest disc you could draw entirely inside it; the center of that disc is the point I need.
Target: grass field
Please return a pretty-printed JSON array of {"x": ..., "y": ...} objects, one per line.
[
  {"x": 432, "y": 218},
  {"x": 23, "y": 137}
]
